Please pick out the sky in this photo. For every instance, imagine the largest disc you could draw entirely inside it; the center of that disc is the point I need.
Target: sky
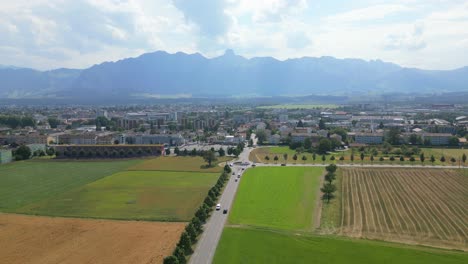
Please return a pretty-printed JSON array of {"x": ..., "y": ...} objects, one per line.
[{"x": 50, "y": 34}]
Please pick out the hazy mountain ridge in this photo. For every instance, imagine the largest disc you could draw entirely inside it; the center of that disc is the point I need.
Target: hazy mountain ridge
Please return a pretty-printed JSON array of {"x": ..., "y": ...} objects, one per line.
[{"x": 161, "y": 73}]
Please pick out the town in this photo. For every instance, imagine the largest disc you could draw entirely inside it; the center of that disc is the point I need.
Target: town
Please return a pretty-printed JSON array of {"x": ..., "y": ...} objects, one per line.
[{"x": 63, "y": 132}]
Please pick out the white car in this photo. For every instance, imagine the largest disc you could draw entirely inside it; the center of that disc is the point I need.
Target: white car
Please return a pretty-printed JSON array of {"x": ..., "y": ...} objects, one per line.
[{"x": 218, "y": 207}]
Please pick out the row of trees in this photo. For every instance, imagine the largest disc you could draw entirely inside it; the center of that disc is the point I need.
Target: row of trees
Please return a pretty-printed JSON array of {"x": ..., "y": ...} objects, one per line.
[
  {"x": 195, "y": 227},
  {"x": 328, "y": 187},
  {"x": 123, "y": 153},
  {"x": 23, "y": 152},
  {"x": 324, "y": 145},
  {"x": 17, "y": 121},
  {"x": 362, "y": 157}
]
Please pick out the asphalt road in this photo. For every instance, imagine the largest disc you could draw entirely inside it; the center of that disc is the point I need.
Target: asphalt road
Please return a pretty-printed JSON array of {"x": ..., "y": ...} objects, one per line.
[{"x": 206, "y": 246}]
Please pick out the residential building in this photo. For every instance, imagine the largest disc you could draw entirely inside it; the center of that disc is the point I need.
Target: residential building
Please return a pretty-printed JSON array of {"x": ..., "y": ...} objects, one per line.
[
  {"x": 23, "y": 139},
  {"x": 369, "y": 138},
  {"x": 5, "y": 156},
  {"x": 437, "y": 139},
  {"x": 166, "y": 139}
]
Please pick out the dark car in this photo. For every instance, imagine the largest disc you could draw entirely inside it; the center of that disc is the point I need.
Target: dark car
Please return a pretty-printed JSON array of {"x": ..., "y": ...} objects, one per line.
[
  {"x": 283, "y": 164},
  {"x": 225, "y": 211}
]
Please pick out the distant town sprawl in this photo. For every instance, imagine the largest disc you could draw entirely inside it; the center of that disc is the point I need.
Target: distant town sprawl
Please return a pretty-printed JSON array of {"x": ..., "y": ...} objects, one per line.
[{"x": 99, "y": 132}]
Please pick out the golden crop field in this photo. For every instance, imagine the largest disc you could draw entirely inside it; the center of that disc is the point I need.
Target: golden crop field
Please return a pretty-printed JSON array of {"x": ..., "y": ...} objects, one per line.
[{"x": 415, "y": 206}]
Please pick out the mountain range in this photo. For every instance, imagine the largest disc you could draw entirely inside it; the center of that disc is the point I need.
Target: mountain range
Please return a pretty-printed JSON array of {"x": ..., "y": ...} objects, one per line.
[{"x": 161, "y": 75}]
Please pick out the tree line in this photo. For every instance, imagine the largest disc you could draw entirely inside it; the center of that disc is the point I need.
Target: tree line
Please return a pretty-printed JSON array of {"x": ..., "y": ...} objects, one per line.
[{"x": 195, "y": 227}]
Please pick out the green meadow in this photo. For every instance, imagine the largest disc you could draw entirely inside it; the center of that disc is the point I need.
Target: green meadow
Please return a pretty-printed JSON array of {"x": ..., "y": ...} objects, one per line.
[
  {"x": 277, "y": 197},
  {"x": 241, "y": 245},
  {"x": 26, "y": 182},
  {"x": 141, "y": 195},
  {"x": 154, "y": 189}
]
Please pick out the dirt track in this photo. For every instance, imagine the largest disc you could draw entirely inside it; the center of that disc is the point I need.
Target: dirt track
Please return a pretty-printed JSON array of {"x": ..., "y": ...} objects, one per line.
[{"x": 33, "y": 239}]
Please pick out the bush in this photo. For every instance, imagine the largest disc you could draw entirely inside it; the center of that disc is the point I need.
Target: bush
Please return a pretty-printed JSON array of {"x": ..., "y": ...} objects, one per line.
[{"x": 171, "y": 260}]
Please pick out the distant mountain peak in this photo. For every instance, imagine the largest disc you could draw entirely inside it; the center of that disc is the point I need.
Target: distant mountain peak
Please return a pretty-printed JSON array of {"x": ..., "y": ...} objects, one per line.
[
  {"x": 161, "y": 73},
  {"x": 229, "y": 53}
]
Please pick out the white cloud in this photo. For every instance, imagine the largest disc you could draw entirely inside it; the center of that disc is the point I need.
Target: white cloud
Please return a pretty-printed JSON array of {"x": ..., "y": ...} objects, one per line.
[
  {"x": 48, "y": 34},
  {"x": 369, "y": 13}
]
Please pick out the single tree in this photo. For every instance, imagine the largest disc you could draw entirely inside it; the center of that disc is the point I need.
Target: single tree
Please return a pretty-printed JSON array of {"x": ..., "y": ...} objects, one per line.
[
  {"x": 176, "y": 151},
  {"x": 352, "y": 158},
  {"x": 201, "y": 214},
  {"x": 221, "y": 152},
  {"x": 267, "y": 158},
  {"x": 209, "y": 157},
  {"x": 324, "y": 146},
  {"x": 432, "y": 159},
  {"x": 197, "y": 224},
  {"x": 295, "y": 158},
  {"x": 192, "y": 232},
  {"x": 322, "y": 124},
  {"x": 168, "y": 151},
  {"x": 442, "y": 159},
  {"x": 276, "y": 158},
  {"x": 324, "y": 158},
  {"x": 304, "y": 158},
  {"x": 392, "y": 158},
  {"x": 341, "y": 158},
  {"x": 372, "y": 158},
  {"x": 23, "y": 152},
  {"x": 464, "y": 158},
  {"x": 330, "y": 177},
  {"x": 185, "y": 244},
  {"x": 332, "y": 158},
  {"x": 331, "y": 168},
  {"x": 453, "y": 160},
  {"x": 171, "y": 260},
  {"x": 180, "y": 255},
  {"x": 314, "y": 156},
  {"x": 421, "y": 157},
  {"x": 285, "y": 156},
  {"x": 381, "y": 159},
  {"x": 307, "y": 143},
  {"x": 362, "y": 156},
  {"x": 328, "y": 189},
  {"x": 412, "y": 159},
  {"x": 402, "y": 158}
]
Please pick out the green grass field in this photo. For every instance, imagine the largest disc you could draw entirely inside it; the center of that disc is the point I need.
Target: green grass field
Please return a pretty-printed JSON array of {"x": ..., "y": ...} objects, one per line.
[
  {"x": 277, "y": 197},
  {"x": 239, "y": 245},
  {"x": 142, "y": 195},
  {"x": 195, "y": 164},
  {"x": 26, "y": 182}
]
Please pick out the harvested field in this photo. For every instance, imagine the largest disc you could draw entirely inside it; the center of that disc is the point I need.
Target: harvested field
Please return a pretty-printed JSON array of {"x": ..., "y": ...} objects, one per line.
[
  {"x": 44, "y": 240},
  {"x": 416, "y": 206}
]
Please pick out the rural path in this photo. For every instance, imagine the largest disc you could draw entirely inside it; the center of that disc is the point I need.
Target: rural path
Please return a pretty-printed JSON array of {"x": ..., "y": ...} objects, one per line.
[
  {"x": 357, "y": 165},
  {"x": 206, "y": 246}
]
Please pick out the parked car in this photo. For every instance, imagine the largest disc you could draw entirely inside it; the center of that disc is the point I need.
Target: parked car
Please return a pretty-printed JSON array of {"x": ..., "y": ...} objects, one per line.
[
  {"x": 236, "y": 179},
  {"x": 225, "y": 211},
  {"x": 253, "y": 165},
  {"x": 283, "y": 164},
  {"x": 218, "y": 207}
]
